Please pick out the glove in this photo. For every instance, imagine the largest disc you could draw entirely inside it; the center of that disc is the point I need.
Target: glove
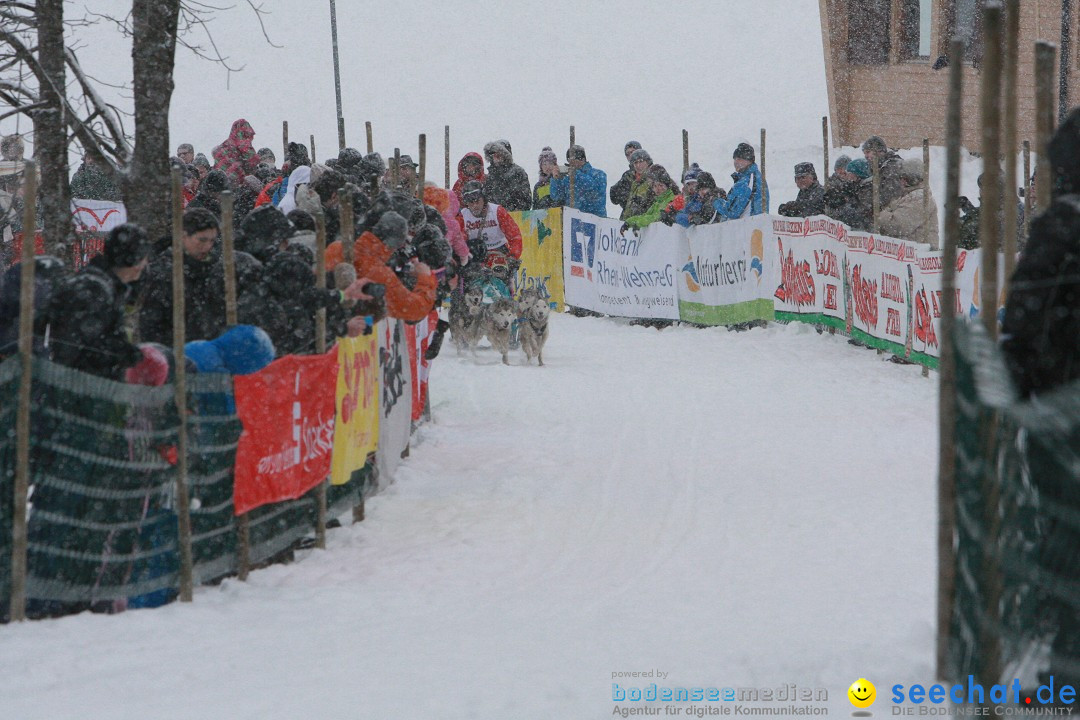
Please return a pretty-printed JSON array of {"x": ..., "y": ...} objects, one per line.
[{"x": 623, "y": 228}]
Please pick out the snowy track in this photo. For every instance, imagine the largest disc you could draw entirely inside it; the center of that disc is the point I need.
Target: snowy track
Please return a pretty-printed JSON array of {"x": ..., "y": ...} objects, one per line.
[{"x": 730, "y": 508}]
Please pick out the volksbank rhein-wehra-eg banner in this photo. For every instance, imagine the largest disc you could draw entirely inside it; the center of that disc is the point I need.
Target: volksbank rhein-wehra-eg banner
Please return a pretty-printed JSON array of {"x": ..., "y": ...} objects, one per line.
[{"x": 619, "y": 273}]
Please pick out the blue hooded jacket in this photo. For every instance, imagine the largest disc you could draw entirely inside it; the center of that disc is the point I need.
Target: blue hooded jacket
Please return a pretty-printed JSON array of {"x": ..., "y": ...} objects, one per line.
[
  {"x": 590, "y": 190},
  {"x": 750, "y": 191}
]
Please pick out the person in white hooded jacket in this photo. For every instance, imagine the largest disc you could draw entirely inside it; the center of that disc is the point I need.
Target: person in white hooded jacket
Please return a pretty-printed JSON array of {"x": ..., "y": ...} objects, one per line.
[{"x": 903, "y": 218}]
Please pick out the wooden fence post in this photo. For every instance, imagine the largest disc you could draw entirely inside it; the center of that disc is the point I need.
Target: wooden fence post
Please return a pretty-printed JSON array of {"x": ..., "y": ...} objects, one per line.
[
  {"x": 989, "y": 228},
  {"x": 183, "y": 502},
  {"x": 1028, "y": 199},
  {"x": 285, "y": 137},
  {"x": 17, "y": 605},
  {"x": 422, "y": 175},
  {"x": 320, "y": 348},
  {"x": 370, "y": 143},
  {"x": 446, "y": 184},
  {"x": 827, "y": 171},
  {"x": 1044, "y": 121},
  {"x": 313, "y": 160},
  {"x": 685, "y": 151},
  {"x": 1009, "y": 133},
  {"x": 947, "y": 364},
  {"x": 572, "y": 178}
]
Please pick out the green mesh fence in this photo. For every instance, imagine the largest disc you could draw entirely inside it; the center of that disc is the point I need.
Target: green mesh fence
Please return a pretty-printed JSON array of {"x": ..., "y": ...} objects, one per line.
[{"x": 1017, "y": 463}]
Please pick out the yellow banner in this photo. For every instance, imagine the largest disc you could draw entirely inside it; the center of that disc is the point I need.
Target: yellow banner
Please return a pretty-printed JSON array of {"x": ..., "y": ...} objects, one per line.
[
  {"x": 356, "y": 431},
  {"x": 541, "y": 253}
]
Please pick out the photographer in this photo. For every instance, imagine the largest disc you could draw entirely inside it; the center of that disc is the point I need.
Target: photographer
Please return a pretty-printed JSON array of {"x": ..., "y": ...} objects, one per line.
[{"x": 384, "y": 256}]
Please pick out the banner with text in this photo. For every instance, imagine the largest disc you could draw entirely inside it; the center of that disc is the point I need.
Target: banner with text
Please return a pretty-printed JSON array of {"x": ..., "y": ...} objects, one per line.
[
  {"x": 395, "y": 388},
  {"x": 617, "y": 273},
  {"x": 287, "y": 410},
  {"x": 542, "y": 254},
  {"x": 356, "y": 427},
  {"x": 419, "y": 337}
]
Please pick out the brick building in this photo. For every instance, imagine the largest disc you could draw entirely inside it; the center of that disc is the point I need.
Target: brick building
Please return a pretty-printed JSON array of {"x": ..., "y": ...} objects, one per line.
[{"x": 881, "y": 55}]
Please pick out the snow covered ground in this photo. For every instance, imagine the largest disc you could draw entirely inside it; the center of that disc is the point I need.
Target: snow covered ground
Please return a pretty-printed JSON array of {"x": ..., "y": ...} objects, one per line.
[{"x": 733, "y": 509}]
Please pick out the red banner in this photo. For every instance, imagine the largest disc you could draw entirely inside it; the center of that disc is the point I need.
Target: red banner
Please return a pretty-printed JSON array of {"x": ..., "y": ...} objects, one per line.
[
  {"x": 287, "y": 410},
  {"x": 419, "y": 337}
]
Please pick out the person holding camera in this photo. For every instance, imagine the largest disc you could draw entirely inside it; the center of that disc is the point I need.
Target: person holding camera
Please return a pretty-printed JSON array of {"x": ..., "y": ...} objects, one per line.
[
  {"x": 384, "y": 256},
  {"x": 491, "y": 234}
]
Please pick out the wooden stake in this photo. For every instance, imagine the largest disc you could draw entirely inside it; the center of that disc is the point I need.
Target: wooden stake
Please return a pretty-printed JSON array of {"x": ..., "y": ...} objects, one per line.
[
  {"x": 183, "y": 502},
  {"x": 1044, "y": 121},
  {"x": 340, "y": 133},
  {"x": 320, "y": 348},
  {"x": 446, "y": 184},
  {"x": 370, "y": 144},
  {"x": 875, "y": 167},
  {"x": 395, "y": 171},
  {"x": 947, "y": 364},
  {"x": 989, "y": 229},
  {"x": 1029, "y": 200},
  {"x": 761, "y": 167},
  {"x": 228, "y": 254},
  {"x": 1009, "y": 133},
  {"x": 285, "y": 137},
  {"x": 685, "y": 151},
  {"x": 17, "y": 602},
  {"x": 422, "y": 175},
  {"x": 926, "y": 182},
  {"x": 348, "y": 231},
  {"x": 825, "y": 144},
  {"x": 573, "y": 180},
  {"x": 313, "y": 160}
]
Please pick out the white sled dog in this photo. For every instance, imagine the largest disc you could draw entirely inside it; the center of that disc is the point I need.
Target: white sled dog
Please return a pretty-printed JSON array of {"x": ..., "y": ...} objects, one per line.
[
  {"x": 533, "y": 331},
  {"x": 467, "y": 320},
  {"x": 498, "y": 318}
]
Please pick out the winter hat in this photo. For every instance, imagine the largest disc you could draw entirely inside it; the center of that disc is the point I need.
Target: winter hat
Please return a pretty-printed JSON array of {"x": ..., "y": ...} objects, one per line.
[
  {"x": 265, "y": 172},
  {"x": 1064, "y": 154},
  {"x": 640, "y": 154},
  {"x": 705, "y": 181},
  {"x": 392, "y": 230},
  {"x": 200, "y": 160},
  {"x": 297, "y": 155},
  {"x": 372, "y": 166},
  {"x": 205, "y": 355},
  {"x": 406, "y": 160},
  {"x": 472, "y": 187},
  {"x": 349, "y": 158},
  {"x": 432, "y": 247},
  {"x": 151, "y": 370},
  {"x": 410, "y": 208},
  {"x": 288, "y": 275},
  {"x": 744, "y": 151},
  {"x": 841, "y": 163},
  {"x": 691, "y": 174},
  {"x": 805, "y": 168},
  {"x": 912, "y": 170},
  {"x": 547, "y": 154},
  {"x": 875, "y": 143},
  {"x": 302, "y": 221},
  {"x": 658, "y": 173},
  {"x": 262, "y": 230},
  {"x": 244, "y": 349},
  {"x": 215, "y": 181},
  {"x": 859, "y": 168},
  {"x": 266, "y": 155},
  {"x": 631, "y": 144},
  {"x": 498, "y": 147},
  {"x": 126, "y": 246},
  {"x": 575, "y": 152}
]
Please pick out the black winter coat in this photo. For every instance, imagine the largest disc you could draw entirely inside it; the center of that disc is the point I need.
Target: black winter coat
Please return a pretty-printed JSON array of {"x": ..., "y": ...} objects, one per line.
[
  {"x": 204, "y": 300},
  {"x": 809, "y": 202},
  {"x": 620, "y": 191},
  {"x": 508, "y": 186},
  {"x": 1041, "y": 330},
  {"x": 87, "y": 323}
]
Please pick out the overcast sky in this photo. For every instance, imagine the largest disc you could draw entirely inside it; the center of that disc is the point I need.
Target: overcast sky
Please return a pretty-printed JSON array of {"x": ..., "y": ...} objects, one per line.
[{"x": 522, "y": 71}]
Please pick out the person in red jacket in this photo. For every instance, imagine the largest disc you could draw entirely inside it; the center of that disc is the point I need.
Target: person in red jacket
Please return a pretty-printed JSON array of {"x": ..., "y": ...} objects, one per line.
[
  {"x": 371, "y": 253},
  {"x": 491, "y": 234},
  {"x": 470, "y": 167},
  {"x": 236, "y": 157}
]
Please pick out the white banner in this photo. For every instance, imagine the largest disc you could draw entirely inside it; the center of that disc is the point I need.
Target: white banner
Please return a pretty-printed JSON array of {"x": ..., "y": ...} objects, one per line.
[
  {"x": 621, "y": 274},
  {"x": 97, "y": 215},
  {"x": 395, "y": 389}
]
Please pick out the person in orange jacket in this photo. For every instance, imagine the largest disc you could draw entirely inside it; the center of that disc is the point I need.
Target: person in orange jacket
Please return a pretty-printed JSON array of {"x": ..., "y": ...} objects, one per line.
[{"x": 372, "y": 252}]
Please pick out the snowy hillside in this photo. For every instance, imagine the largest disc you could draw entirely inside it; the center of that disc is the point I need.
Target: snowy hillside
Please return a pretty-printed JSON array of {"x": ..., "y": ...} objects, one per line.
[{"x": 730, "y": 508}]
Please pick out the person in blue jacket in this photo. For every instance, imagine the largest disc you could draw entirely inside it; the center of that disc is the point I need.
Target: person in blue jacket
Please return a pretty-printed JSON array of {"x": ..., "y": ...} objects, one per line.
[
  {"x": 750, "y": 194},
  {"x": 590, "y": 184}
]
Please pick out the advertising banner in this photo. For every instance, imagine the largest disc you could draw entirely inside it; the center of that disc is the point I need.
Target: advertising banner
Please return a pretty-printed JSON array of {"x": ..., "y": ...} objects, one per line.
[
  {"x": 287, "y": 410},
  {"x": 419, "y": 337},
  {"x": 99, "y": 216},
  {"x": 395, "y": 389},
  {"x": 542, "y": 254},
  {"x": 616, "y": 273},
  {"x": 356, "y": 428},
  {"x": 724, "y": 272}
]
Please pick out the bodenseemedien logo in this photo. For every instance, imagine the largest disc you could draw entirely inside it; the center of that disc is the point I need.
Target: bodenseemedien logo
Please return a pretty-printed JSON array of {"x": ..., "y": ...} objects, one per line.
[{"x": 973, "y": 698}]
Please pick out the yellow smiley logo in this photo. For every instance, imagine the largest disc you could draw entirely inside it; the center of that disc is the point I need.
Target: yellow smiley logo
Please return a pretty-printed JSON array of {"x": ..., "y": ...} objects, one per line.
[{"x": 862, "y": 693}]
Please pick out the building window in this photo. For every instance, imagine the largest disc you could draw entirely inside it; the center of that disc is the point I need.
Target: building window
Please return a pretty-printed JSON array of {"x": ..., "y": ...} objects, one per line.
[
  {"x": 915, "y": 29},
  {"x": 963, "y": 19},
  {"x": 868, "y": 32}
]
